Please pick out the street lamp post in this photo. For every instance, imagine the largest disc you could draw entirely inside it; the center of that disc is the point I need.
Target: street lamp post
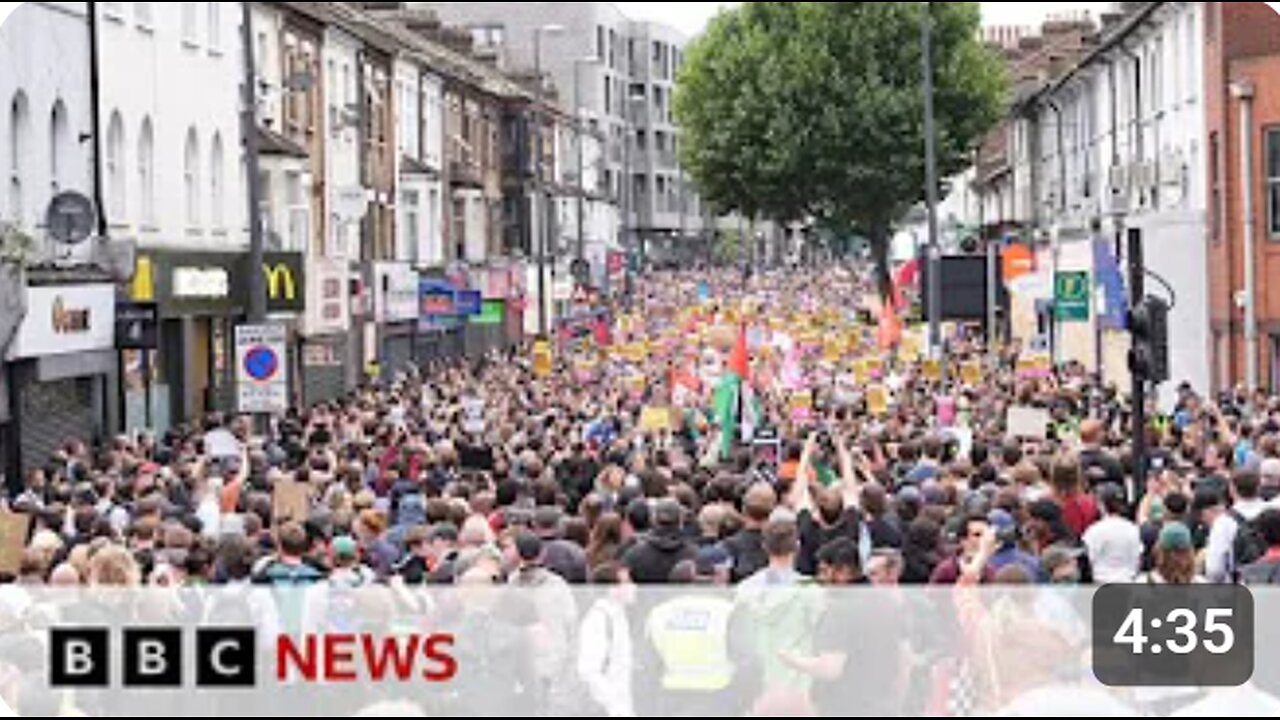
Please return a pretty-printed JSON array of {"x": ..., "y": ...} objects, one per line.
[
  {"x": 539, "y": 190},
  {"x": 931, "y": 184},
  {"x": 580, "y": 126}
]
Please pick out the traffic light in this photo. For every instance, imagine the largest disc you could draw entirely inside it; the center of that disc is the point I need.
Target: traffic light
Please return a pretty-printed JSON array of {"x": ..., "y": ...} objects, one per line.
[{"x": 1149, "y": 330}]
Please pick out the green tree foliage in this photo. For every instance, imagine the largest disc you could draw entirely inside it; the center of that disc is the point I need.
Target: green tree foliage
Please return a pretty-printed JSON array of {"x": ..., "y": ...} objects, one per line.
[{"x": 815, "y": 109}]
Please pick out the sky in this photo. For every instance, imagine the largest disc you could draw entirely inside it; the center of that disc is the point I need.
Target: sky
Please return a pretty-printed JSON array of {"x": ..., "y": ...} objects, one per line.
[{"x": 691, "y": 17}]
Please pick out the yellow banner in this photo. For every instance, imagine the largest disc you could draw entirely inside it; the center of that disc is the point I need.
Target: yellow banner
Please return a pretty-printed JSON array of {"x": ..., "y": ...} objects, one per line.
[
  {"x": 542, "y": 359},
  {"x": 971, "y": 373},
  {"x": 655, "y": 419},
  {"x": 877, "y": 400}
]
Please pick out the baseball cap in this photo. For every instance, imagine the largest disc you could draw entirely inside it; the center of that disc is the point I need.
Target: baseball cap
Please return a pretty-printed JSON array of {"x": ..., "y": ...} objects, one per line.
[
  {"x": 710, "y": 559},
  {"x": 344, "y": 546},
  {"x": 1174, "y": 536},
  {"x": 1001, "y": 520}
]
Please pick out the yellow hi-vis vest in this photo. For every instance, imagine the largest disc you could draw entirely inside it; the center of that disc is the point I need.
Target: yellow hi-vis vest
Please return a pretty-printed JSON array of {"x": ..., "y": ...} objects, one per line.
[{"x": 691, "y": 635}]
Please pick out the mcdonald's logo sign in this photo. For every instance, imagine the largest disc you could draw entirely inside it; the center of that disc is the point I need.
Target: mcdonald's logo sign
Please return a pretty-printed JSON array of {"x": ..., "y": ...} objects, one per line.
[{"x": 286, "y": 285}]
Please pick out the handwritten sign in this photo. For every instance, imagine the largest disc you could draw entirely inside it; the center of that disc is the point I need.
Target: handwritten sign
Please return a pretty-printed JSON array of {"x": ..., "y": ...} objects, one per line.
[
  {"x": 802, "y": 406},
  {"x": 654, "y": 419},
  {"x": 542, "y": 362},
  {"x": 1034, "y": 365},
  {"x": 1027, "y": 423},
  {"x": 290, "y": 500},
  {"x": 877, "y": 400},
  {"x": 13, "y": 540},
  {"x": 932, "y": 370}
]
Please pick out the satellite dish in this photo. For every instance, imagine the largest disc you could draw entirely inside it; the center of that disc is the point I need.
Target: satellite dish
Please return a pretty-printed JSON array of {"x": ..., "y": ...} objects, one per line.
[{"x": 70, "y": 218}]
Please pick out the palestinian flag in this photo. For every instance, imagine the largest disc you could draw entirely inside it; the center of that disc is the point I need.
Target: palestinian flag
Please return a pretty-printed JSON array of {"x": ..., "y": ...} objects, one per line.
[{"x": 729, "y": 393}]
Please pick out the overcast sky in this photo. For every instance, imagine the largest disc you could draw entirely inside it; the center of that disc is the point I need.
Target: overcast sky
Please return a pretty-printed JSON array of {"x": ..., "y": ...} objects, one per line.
[{"x": 691, "y": 17}]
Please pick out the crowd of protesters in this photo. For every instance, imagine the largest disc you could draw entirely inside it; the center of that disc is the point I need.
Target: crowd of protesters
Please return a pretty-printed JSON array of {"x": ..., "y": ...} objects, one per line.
[{"x": 493, "y": 470}]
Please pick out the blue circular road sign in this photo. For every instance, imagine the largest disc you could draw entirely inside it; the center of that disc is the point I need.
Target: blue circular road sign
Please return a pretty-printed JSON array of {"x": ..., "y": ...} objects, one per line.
[{"x": 261, "y": 363}]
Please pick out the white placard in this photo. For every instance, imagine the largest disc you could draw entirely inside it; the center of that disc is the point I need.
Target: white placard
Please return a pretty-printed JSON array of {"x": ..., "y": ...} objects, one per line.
[
  {"x": 1027, "y": 422},
  {"x": 65, "y": 319},
  {"x": 262, "y": 373}
]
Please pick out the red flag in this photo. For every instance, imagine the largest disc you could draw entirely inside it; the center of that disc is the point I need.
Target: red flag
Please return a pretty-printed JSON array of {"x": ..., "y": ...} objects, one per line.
[
  {"x": 889, "y": 333},
  {"x": 739, "y": 361},
  {"x": 604, "y": 338}
]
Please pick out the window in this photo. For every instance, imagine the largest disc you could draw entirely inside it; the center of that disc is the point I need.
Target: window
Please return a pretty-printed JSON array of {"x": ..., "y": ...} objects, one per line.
[
  {"x": 58, "y": 150},
  {"x": 600, "y": 41},
  {"x": 299, "y": 211},
  {"x": 409, "y": 246},
  {"x": 146, "y": 173},
  {"x": 191, "y": 178},
  {"x": 18, "y": 132},
  {"x": 142, "y": 15},
  {"x": 608, "y": 94},
  {"x": 216, "y": 215},
  {"x": 215, "y": 27},
  {"x": 115, "y": 168},
  {"x": 189, "y": 22},
  {"x": 1273, "y": 183}
]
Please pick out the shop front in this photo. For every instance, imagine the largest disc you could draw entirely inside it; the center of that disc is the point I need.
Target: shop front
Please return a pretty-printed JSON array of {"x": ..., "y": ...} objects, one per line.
[
  {"x": 201, "y": 298},
  {"x": 60, "y": 371},
  {"x": 395, "y": 312}
]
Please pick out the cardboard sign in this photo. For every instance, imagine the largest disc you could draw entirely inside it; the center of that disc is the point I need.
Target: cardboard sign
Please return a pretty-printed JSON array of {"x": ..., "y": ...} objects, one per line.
[
  {"x": 1034, "y": 365},
  {"x": 290, "y": 500},
  {"x": 1027, "y": 422},
  {"x": 542, "y": 363},
  {"x": 831, "y": 351},
  {"x": 875, "y": 368},
  {"x": 932, "y": 370},
  {"x": 971, "y": 373},
  {"x": 637, "y": 384},
  {"x": 861, "y": 372},
  {"x": 655, "y": 419},
  {"x": 911, "y": 347},
  {"x": 13, "y": 540},
  {"x": 802, "y": 406},
  {"x": 877, "y": 400}
]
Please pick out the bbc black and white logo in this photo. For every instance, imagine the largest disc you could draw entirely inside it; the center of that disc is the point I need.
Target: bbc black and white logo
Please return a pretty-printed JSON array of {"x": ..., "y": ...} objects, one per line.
[{"x": 152, "y": 658}]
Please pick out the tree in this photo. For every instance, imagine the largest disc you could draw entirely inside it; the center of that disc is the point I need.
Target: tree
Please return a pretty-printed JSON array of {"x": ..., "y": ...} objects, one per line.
[{"x": 815, "y": 109}]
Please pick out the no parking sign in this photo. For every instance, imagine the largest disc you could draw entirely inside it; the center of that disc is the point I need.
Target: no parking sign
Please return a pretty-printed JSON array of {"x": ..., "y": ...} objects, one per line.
[{"x": 262, "y": 378}]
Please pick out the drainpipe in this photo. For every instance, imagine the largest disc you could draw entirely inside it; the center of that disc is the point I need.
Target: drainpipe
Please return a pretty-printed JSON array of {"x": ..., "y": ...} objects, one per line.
[{"x": 1243, "y": 91}]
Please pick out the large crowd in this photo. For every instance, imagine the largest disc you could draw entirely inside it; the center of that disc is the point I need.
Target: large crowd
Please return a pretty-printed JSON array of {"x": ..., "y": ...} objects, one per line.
[{"x": 841, "y": 458}]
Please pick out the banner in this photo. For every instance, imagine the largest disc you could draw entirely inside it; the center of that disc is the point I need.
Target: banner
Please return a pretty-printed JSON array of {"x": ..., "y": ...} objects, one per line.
[
  {"x": 877, "y": 400},
  {"x": 1027, "y": 423},
  {"x": 802, "y": 406},
  {"x": 542, "y": 359},
  {"x": 655, "y": 419}
]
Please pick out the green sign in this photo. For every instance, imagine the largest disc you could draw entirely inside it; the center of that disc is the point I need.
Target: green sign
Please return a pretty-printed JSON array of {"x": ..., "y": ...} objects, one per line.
[
  {"x": 491, "y": 313},
  {"x": 1071, "y": 294}
]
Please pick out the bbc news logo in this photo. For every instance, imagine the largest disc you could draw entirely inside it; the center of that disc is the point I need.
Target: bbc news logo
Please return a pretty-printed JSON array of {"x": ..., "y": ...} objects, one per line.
[{"x": 226, "y": 658}]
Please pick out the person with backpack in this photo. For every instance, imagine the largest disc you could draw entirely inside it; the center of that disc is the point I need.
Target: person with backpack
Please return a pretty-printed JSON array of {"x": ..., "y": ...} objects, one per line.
[
  {"x": 288, "y": 567},
  {"x": 1234, "y": 541},
  {"x": 605, "y": 654},
  {"x": 1266, "y": 569}
]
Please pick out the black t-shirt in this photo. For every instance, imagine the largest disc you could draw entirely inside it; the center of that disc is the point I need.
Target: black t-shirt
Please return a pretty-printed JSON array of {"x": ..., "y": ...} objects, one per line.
[
  {"x": 747, "y": 550},
  {"x": 868, "y": 628},
  {"x": 1094, "y": 458},
  {"x": 813, "y": 536}
]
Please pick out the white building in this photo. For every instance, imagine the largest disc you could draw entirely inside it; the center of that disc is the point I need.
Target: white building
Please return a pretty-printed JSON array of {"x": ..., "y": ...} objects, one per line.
[
  {"x": 58, "y": 378},
  {"x": 346, "y": 199},
  {"x": 419, "y": 139},
  {"x": 173, "y": 175},
  {"x": 44, "y": 50},
  {"x": 1116, "y": 143}
]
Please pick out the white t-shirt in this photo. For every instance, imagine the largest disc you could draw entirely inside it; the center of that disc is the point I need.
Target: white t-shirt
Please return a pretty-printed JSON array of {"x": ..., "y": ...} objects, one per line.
[{"x": 1115, "y": 549}]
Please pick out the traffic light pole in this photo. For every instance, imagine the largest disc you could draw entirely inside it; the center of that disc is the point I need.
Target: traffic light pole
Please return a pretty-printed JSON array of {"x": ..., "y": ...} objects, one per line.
[{"x": 1137, "y": 295}]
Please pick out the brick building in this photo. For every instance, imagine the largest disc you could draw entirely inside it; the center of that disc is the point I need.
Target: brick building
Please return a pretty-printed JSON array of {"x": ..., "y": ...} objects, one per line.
[{"x": 1242, "y": 75}]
